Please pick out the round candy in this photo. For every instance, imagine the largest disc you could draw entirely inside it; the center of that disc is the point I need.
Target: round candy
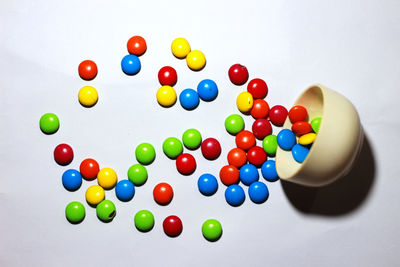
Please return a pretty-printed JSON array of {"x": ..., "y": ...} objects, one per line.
[
  {"x": 301, "y": 127},
  {"x": 207, "y": 184},
  {"x": 237, "y": 157},
  {"x": 244, "y": 102},
  {"x": 191, "y": 139},
  {"x": 270, "y": 144},
  {"x": 256, "y": 156},
  {"x": 196, "y": 60},
  {"x": 167, "y": 76},
  {"x": 298, "y": 113},
  {"x": 261, "y": 128},
  {"x": 207, "y": 89},
  {"x": 49, "y": 123},
  {"x": 258, "y": 192},
  {"x": 234, "y": 195},
  {"x": 211, "y": 229},
  {"x": 268, "y": 171},
  {"x": 286, "y": 139},
  {"x": 75, "y": 212},
  {"x": 180, "y": 48},
  {"x": 63, "y": 154},
  {"x": 186, "y": 164},
  {"x": 130, "y": 64},
  {"x": 144, "y": 220},
  {"x": 125, "y": 190},
  {"x": 245, "y": 140},
  {"x": 94, "y": 195},
  {"x": 238, "y": 74},
  {"x": 163, "y": 193},
  {"x": 136, "y": 45},
  {"x": 166, "y": 96},
  {"x": 137, "y": 174},
  {"x": 258, "y": 88},
  {"x": 89, "y": 169},
  {"x": 307, "y": 139},
  {"x": 229, "y": 175},
  {"x": 106, "y": 211},
  {"x": 145, "y": 153},
  {"x": 277, "y": 115},
  {"x": 189, "y": 99},
  {"x": 260, "y": 109},
  {"x": 88, "y": 96},
  {"x": 299, "y": 152},
  {"x": 211, "y": 148},
  {"x": 71, "y": 180},
  {"x": 234, "y": 124},
  {"x": 172, "y": 226},
  {"x": 248, "y": 174},
  {"x": 315, "y": 123},
  {"x": 172, "y": 147},
  {"x": 107, "y": 178},
  {"x": 87, "y": 70}
]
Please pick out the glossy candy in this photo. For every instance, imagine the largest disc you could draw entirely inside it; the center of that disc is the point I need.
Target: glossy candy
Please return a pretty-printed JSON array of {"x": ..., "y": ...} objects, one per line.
[
  {"x": 229, "y": 175},
  {"x": 49, "y": 123},
  {"x": 258, "y": 88},
  {"x": 87, "y": 70},
  {"x": 63, "y": 154},
  {"x": 186, "y": 164},
  {"x": 191, "y": 139},
  {"x": 172, "y": 147},
  {"x": 256, "y": 156},
  {"x": 315, "y": 123},
  {"x": 207, "y": 184},
  {"x": 75, "y": 212},
  {"x": 130, "y": 64},
  {"x": 261, "y": 128},
  {"x": 207, "y": 89},
  {"x": 270, "y": 145},
  {"x": 260, "y": 109},
  {"x": 71, "y": 180},
  {"x": 212, "y": 230},
  {"x": 301, "y": 127},
  {"x": 125, "y": 190},
  {"x": 144, "y": 220},
  {"x": 298, "y": 113},
  {"x": 234, "y": 195},
  {"x": 167, "y": 76},
  {"x": 237, "y": 157},
  {"x": 107, "y": 178},
  {"x": 286, "y": 139},
  {"x": 196, "y": 60},
  {"x": 245, "y": 140},
  {"x": 278, "y": 115},
  {"x": 248, "y": 174},
  {"x": 105, "y": 210},
  {"x": 307, "y": 139},
  {"x": 268, "y": 171},
  {"x": 258, "y": 192},
  {"x": 136, "y": 45},
  {"x": 180, "y": 48},
  {"x": 172, "y": 226},
  {"x": 238, "y": 74},
  {"x": 189, "y": 99},
  {"x": 166, "y": 96},
  {"x": 94, "y": 195},
  {"x": 163, "y": 193},
  {"x": 299, "y": 152},
  {"x": 145, "y": 153},
  {"x": 137, "y": 174},
  {"x": 89, "y": 169},
  {"x": 244, "y": 102},
  {"x": 211, "y": 148},
  {"x": 88, "y": 96},
  {"x": 234, "y": 124}
]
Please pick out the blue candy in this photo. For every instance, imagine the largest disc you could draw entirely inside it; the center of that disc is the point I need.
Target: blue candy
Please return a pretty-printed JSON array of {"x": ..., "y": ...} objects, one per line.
[
  {"x": 286, "y": 139},
  {"x": 207, "y": 184},
  {"x": 234, "y": 195},
  {"x": 189, "y": 99},
  {"x": 125, "y": 190},
  {"x": 248, "y": 174},
  {"x": 207, "y": 89},
  {"x": 71, "y": 179},
  {"x": 268, "y": 171},
  {"x": 299, "y": 152},
  {"x": 130, "y": 64},
  {"x": 258, "y": 192}
]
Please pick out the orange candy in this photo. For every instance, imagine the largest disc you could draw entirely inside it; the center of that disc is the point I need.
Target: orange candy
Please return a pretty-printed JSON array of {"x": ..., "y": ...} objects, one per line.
[
  {"x": 298, "y": 113},
  {"x": 245, "y": 140},
  {"x": 260, "y": 109},
  {"x": 229, "y": 175},
  {"x": 137, "y": 45},
  {"x": 89, "y": 169},
  {"x": 301, "y": 127},
  {"x": 237, "y": 157},
  {"x": 163, "y": 193}
]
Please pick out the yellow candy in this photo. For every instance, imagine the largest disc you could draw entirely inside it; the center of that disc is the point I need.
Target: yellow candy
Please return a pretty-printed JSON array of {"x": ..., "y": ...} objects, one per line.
[
  {"x": 166, "y": 96},
  {"x": 307, "y": 139},
  {"x": 180, "y": 48},
  {"x": 244, "y": 102},
  {"x": 196, "y": 60},
  {"x": 88, "y": 96},
  {"x": 107, "y": 178},
  {"x": 95, "y": 194}
]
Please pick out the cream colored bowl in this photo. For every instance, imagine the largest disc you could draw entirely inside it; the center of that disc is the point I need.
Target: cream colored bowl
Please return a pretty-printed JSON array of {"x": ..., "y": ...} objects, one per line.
[{"x": 338, "y": 143}]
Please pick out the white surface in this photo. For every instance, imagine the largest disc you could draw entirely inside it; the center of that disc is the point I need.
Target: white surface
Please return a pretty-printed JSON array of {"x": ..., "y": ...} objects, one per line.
[{"x": 349, "y": 46}]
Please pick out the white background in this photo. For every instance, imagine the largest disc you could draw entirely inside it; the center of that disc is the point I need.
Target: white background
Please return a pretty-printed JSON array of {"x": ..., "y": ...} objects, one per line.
[{"x": 349, "y": 46}]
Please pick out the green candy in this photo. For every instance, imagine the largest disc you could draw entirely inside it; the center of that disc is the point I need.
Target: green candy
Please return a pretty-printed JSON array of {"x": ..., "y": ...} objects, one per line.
[
  {"x": 75, "y": 212},
  {"x": 270, "y": 144},
  {"x": 212, "y": 230},
  {"x": 137, "y": 174},
  {"x": 234, "y": 124},
  {"x": 105, "y": 210},
  {"x": 172, "y": 147},
  {"x": 315, "y": 123},
  {"x": 49, "y": 123},
  {"x": 144, "y": 220},
  {"x": 191, "y": 138},
  {"x": 145, "y": 153}
]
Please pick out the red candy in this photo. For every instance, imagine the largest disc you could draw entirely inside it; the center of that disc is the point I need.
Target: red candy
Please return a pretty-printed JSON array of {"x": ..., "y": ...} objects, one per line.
[
  {"x": 278, "y": 115},
  {"x": 186, "y": 163},
  {"x": 229, "y": 175},
  {"x": 238, "y": 74},
  {"x": 63, "y": 154},
  {"x": 211, "y": 148},
  {"x": 301, "y": 127},
  {"x": 136, "y": 45},
  {"x": 261, "y": 128},
  {"x": 237, "y": 157},
  {"x": 172, "y": 226},
  {"x": 260, "y": 109},
  {"x": 87, "y": 70},
  {"x": 167, "y": 76},
  {"x": 297, "y": 113},
  {"x": 163, "y": 193},
  {"x": 257, "y": 88},
  {"x": 89, "y": 169},
  {"x": 256, "y": 156},
  {"x": 245, "y": 140}
]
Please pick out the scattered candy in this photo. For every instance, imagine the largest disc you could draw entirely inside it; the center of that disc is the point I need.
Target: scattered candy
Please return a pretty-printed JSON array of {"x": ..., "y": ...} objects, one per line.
[
  {"x": 189, "y": 99},
  {"x": 88, "y": 96},
  {"x": 229, "y": 175},
  {"x": 207, "y": 90},
  {"x": 71, "y": 180},
  {"x": 166, "y": 96},
  {"x": 212, "y": 230},
  {"x": 238, "y": 74},
  {"x": 315, "y": 123},
  {"x": 196, "y": 60},
  {"x": 257, "y": 88},
  {"x": 307, "y": 139},
  {"x": 136, "y": 45},
  {"x": 298, "y": 113},
  {"x": 106, "y": 211},
  {"x": 260, "y": 109},
  {"x": 278, "y": 115},
  {"x": 49, "y": 123},
  {"x": 248, "y": 174},
  {"x": 191, "y": 139},
  {"x": 137, "y": 174},
  {"x": 211, "y": 148},
  {"x": 87, "y": 70},
  {"x": 75, "y": 212},
  {"x": 172, "y": 226},
  {"x": 107, "y": 178},
  {"x": 268, "y": 171},
  {"x": 301, "y": 128},
  {"x": 237, "y": 157},
  {"x": 299, "y": 152},
  {"x": 163, "y": 193},
  {"x": 94, "y": 195},
  {"x": 186, "y": 164},
  {"x": 234, "y": 195},
  {"x": 167, "y": 76},
  {"x": 256, "y": 156},
  {"x": 180, "y": 48},
  {"x": 245, "y": 140},
  {"x": 144, "y": 220},
  {"x": 125, "y": 190},
  {"x": 234, "y": 124},
  {"x": 244, "y": 102},
  {"x": 130, "y": 64},
  {"x": 63, "y": 154},
  {"x": 207, "y": 184},
  {"x": 270, "y": 145},
  {"x": 258, "y": 192},
  {"x": 89, "y": 169},
  {"x": 145, "y": 153},
  {"x": 286, "y": 139},
  {"x": 261, "y": 128},
  {"x": 172, "y": 147}
]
